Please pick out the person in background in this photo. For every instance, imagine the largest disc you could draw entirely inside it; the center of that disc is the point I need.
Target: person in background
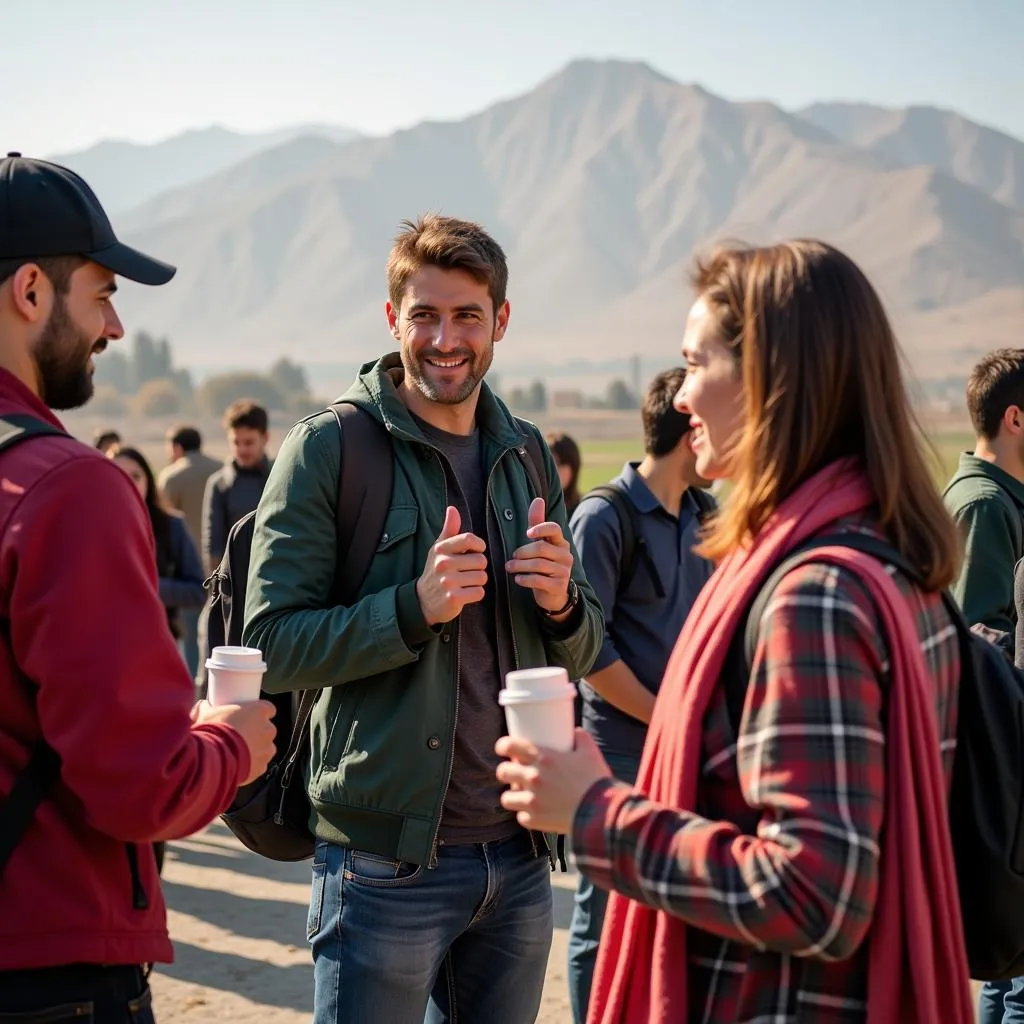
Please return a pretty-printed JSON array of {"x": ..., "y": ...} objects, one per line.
[
  {"x": 182, "y": 484},
  {"x": 757, "y": 873},
  {"x": 986, "y": 494},
  {"x": 986, "y": 498},
  {"x": 569, "y": 462},
  {"x": 102, "y": 750},
  {"x": 180, "y": 576},
  {"x": 645, "y": 602},
  {"x": 235, "y": 489},
  {"x": 105, "y": 439},
  {"x": 179, "y": 570}
]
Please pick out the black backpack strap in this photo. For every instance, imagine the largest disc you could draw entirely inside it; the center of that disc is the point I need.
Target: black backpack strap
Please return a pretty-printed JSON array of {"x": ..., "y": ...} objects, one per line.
[
  {"x": 532, "y": 458},
  {"x": 364, "y": 495},
  {"x": 705, "y": 502},
  {"x": 634, "y": 544},
  {"x": 42, "y": 771},
  {"x": 874, "y": 546}
]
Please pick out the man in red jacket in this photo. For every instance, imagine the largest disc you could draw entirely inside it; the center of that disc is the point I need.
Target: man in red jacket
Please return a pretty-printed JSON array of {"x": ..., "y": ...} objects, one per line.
[{"x": 95, "y": 701}]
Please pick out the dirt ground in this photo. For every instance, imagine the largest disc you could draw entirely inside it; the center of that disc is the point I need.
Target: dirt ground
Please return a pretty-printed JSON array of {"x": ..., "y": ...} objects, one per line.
[{"x": 238, "y": 926}]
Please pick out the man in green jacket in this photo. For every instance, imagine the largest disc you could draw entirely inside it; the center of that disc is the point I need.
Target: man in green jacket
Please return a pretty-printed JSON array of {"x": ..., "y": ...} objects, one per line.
[
  {"x": 986, "y": 497},
  {"x": 429, "y": 899},
  {"x": 986, "y": 494}
]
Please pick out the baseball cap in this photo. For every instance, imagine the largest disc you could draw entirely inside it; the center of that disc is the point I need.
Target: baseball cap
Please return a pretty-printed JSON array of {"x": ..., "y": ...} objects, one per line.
[{"x": 48, "y": 210}]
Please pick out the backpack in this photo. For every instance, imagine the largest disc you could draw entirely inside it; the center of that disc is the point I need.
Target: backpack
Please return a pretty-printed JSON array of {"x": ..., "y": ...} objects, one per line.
[
  {"x": 271, "y": 814},
  {"x": 986, "y": 801},
  {"x": 43, "y": 769},
  {"x": 634, "y": 545}
]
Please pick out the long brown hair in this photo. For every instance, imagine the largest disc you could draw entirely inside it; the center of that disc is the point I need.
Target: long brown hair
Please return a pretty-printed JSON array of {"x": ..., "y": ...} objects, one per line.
[{"x": 821, "y": 381}]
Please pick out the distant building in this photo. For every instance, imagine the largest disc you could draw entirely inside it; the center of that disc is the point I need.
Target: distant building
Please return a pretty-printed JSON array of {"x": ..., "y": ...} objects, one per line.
[{"x": 569, "y": 398}]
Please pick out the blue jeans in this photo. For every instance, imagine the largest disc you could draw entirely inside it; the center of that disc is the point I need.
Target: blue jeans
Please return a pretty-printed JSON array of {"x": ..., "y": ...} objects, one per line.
[
  {"x": 588, "y": 914},
  {"x": 398, "y": 942},
  {"x": 1002, "y": 1002}
]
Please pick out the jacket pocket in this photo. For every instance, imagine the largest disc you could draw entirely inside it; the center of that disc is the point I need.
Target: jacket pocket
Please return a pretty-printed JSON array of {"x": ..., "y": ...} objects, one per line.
[{"x": 399, "y": 524}]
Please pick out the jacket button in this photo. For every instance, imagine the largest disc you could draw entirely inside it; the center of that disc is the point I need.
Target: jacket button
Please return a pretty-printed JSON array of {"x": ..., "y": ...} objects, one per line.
[
  {"x": 384, "y": 538},
  {"x": 509, "y": 514},
  {"x": 446, "y": 638},
  {"x": 434, "y": 743}
]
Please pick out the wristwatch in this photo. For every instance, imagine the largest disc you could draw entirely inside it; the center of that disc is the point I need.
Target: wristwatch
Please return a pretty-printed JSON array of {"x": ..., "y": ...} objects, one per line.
[{"x": 573, "y": 600}]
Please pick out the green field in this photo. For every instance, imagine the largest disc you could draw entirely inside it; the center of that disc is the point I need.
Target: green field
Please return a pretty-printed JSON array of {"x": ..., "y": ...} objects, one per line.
[{"x": 604, "y": 459}]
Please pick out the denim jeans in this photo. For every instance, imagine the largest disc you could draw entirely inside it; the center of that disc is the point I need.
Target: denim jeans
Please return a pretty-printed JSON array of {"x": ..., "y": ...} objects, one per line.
[
  {"x": 588, "y": 914},
  {"x": 80, "y": 993},
  {"x": 402, "y": 943},
  {"x": 1002, "y": 1002}
]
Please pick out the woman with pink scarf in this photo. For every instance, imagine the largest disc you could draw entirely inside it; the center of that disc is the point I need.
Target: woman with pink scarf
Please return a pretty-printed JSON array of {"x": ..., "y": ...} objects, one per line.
[{"x": 784, "y": 856}]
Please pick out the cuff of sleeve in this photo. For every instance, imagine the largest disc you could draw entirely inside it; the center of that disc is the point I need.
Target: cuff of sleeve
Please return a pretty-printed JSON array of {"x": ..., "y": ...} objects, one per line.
[
  {"x": 413, "y": 626},
  {"x": 593, "y": 818},
  {"x": 565, "y": 629}
]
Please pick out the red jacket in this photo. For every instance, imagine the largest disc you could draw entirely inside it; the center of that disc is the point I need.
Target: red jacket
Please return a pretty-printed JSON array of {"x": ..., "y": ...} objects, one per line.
[{"x": 87, "y": 661}]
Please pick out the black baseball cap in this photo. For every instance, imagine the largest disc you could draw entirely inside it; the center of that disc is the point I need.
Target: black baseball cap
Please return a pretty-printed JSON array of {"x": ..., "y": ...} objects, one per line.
[{"x": 47, "y": 210}]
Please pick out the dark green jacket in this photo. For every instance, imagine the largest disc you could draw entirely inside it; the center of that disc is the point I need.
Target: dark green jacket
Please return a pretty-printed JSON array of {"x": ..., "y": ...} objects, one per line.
[
  {"x": 382, "y": 736},
  {"x": 988, "y": 503}
]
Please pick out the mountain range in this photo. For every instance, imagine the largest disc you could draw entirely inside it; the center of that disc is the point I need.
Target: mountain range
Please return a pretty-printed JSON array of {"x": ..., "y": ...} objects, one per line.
[{"x": 600, "y": 183}]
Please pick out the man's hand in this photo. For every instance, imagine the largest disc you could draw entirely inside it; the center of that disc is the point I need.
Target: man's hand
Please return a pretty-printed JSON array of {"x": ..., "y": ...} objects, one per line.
[
  {"x": 545, "y": 564},
  {"x": 455, "y": 573},
  {"x": 252, "y": 721}
]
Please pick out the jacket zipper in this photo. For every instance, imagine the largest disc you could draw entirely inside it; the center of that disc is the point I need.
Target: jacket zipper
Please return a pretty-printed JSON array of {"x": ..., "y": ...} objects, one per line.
[{"x": 432, "y": 863}]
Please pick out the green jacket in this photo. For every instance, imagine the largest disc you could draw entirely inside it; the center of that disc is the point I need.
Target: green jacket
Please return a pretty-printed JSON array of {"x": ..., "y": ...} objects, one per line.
[
  {"x": 988, "y": 503},
  {"x": 382, "y": 740}
]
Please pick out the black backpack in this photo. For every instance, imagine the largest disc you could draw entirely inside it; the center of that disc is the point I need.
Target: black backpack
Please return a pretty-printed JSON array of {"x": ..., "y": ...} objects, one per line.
[
  {"x": 986, "y": 802},
  {"x": 271, "y": 815},
  {"x": 634, "y": 544},
  {"x": 43, "y": 769}
]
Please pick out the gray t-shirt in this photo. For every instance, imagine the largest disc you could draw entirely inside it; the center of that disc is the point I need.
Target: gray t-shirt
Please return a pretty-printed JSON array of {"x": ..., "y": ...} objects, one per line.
[{"x": 472, "y": 808}]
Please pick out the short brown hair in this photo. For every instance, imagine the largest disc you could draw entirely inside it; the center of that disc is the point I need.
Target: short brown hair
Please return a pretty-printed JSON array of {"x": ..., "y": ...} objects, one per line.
[
  {"x": 246, "y": 413},
  {"x": 821, "y": 380},
  {"x": 996, "y": 383},
  {"x": 664, "y": 425},
  {"x": 57, "y": 268},
  {"x": 188, "y": 439},
  {"x": 450, "y": 244}
]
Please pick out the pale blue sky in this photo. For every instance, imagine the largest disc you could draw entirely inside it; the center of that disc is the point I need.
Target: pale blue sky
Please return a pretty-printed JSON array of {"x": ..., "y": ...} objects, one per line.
[{"x": 75, "y": 71}]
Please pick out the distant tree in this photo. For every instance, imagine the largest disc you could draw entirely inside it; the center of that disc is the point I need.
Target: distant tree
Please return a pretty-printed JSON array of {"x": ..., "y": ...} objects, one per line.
[
  {"x": 289, "y": 377},
  {"x": 157, "y": 398},
  {"x": 114, "y": 369},
  {"x": 618, "y": 396},
  {"x": 517, "y": 399},
  {"x": 215, "y": 394},
  {"x": 537, "y": 397},
  {"x": 108, "y": 402}
]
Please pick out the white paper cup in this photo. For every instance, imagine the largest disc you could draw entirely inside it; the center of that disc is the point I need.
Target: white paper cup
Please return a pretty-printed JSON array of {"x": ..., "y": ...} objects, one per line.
[
  {"x": 539, "y": 706},
  {"x": 235, "y": 675}
]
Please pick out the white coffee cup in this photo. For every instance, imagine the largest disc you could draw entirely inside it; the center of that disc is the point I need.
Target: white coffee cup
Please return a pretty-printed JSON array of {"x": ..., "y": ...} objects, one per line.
[
  {"x": 538, "y": 705},
  {"x": 235, "y": 675}
]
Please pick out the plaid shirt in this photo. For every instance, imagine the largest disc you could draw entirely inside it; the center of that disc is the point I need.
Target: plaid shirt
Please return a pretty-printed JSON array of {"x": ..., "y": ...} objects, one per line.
[{"x": 778, "y": 872}]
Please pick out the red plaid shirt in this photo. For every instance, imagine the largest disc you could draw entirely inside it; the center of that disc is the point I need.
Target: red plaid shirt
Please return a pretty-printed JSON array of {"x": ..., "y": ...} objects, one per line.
[{"x": 778, "y": 873}]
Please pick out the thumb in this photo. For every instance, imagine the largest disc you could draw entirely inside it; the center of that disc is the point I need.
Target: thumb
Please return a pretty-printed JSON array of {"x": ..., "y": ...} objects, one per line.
[
  {"x": 452, "y": 523},
  {"x": 536, "y": 514}
]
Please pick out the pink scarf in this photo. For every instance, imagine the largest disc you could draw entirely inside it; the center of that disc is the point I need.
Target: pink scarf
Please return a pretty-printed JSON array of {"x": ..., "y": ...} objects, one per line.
[{"x": 917, "y": 970}]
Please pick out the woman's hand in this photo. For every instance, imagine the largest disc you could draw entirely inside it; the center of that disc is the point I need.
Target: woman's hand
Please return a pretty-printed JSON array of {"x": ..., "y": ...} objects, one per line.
[{"x": 547, "y": 785}]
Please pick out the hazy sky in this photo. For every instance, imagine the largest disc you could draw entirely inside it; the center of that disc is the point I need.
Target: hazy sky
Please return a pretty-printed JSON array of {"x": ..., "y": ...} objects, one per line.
[{"x": 75, "y": 71}]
